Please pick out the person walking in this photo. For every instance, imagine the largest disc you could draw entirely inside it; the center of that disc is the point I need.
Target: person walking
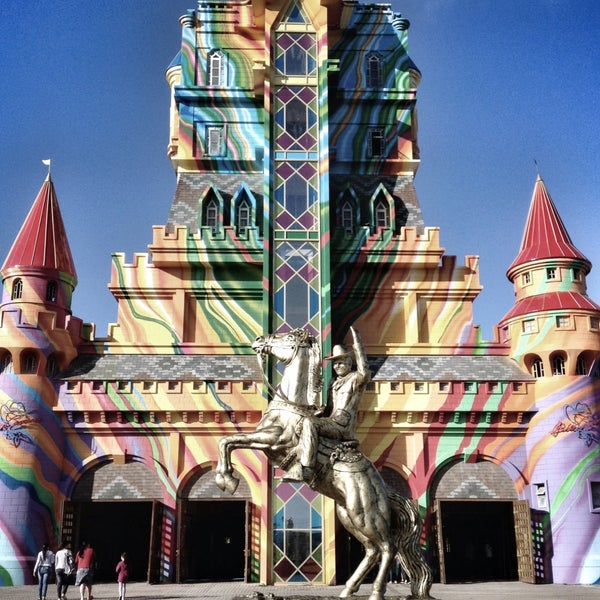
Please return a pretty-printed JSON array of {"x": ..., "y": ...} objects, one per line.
[
  {"x": 85, "y": 560},
  {"x": 122, "y": 570},
  {"x": 42, "y": 569},
  {"x": 63, "y": 567}
]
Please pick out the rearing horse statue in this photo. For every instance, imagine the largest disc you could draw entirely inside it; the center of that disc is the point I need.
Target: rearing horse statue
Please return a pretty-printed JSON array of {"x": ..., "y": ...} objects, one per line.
[{"x": 385, "y": 522}]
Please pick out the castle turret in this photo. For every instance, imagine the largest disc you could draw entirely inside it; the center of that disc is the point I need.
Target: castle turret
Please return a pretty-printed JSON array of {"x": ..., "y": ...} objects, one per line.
[
  {"x": 553, "y": 327},
  {"x": 39, "y": 269},
  {"x": 38, "y": 338}
]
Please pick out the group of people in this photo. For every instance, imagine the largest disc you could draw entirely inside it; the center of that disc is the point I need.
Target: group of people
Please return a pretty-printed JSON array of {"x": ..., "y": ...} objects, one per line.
[{"x": 82, "y": 565}]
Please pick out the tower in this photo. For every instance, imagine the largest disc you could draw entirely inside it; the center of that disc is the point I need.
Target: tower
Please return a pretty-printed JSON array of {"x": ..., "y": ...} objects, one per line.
[
  {"x": 38, "y": 338},
  {"x": 553, "y": 332},
  {"x": 553, "y": 326}
]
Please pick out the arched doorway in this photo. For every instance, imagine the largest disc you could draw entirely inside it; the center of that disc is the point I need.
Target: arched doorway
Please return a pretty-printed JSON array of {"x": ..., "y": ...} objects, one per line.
[
  {"x": 475, "y": 517},
  {"x": 118, "y": 508},
  {"x": 214, "y": 531},
  {"x": 348, "y": 550}
]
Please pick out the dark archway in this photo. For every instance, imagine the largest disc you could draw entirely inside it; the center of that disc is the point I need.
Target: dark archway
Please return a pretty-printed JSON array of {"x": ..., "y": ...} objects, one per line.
[
  {"x": 118, "y": 508},
  {"x": 215, "y": 541},
  {"x": 213, "y": 531},
  {"x": 474, "y": 512},
  {"x": 478, "y": 541},
  {"x": 113, "y": 528}
]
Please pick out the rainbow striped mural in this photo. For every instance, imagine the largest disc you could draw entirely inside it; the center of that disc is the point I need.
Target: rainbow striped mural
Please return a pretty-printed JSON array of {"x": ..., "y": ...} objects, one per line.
[{"x": 294, "y": 141}]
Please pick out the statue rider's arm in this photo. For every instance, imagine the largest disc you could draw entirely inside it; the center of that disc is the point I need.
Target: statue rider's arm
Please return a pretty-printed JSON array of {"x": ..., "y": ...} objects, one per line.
[{"x": 362, "y": 367}]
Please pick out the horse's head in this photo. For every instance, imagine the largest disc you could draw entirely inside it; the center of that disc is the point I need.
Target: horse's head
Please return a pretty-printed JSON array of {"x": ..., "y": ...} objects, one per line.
[
  {"x": 287, "y": 347},
  {"x": 283, "y": 346}
]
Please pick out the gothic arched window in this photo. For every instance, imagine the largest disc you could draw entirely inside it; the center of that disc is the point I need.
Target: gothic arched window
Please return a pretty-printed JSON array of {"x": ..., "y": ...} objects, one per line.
[
  {"x": 216, "y": 69},
  {"x": 374, "y": 75},
  {"x": 537, "y": 367},
  {"x": 211, "y": 215},
  {"x": 6, "y": 364},
  {"x": 580, "y": 367},
  {"x": 348, "y": 217},
  {"x": 51, "y": 366},
  {"x": 244, "y": 214},
  {"x": 382, "y": 214},
  {"x": 17, "y": 289},
  {"x": 51, "y": 291},
  {"x": 30, "y": 363},
  {"x": 558, "y": 364}
]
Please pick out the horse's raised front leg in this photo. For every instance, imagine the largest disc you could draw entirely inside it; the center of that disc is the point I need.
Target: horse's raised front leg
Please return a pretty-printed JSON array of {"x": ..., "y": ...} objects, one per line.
[
  {"x": 256, "y": 440},
  {"x": 224, "y": 472}
]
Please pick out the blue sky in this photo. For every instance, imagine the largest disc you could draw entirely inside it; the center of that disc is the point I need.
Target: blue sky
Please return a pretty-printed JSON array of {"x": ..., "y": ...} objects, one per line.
[{"x": 504, "y": 84}]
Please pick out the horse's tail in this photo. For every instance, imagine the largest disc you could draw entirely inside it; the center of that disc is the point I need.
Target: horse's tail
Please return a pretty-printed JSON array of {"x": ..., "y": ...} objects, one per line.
[{"x": 406, "y": 528}]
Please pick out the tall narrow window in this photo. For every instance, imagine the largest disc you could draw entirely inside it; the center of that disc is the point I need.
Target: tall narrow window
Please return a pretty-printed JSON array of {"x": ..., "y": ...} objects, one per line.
[
  {"x": 348, "y": 217},
  {"x": 30, "y": 362},
  {"x": 215, "y": 138},
  {"x": 382, "y": 215},
  {"x": 580, "y": 368},
  {"x": 295, "y": 118},
  {"x": 51, "y": 366},
  {"x": 215, "y": 69},
  {"x": 550, "y": 273},
  {"x": 17, "y": 289},
  {"x": 243, "y": 215},
  {"x": 375, "y": 142},
  {"x": 373, "y": 70},
  {"x": 211, "y": 218},
  {"x": 51, "y": 291},
  {"x": 537, "y": 368},
  {"x": 6, "y": 365},
  {"x": 558, "y": 365}
]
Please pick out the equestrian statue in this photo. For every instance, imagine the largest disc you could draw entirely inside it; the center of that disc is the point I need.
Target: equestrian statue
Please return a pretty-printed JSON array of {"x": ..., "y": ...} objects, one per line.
[{"x": 316, "y": 445}]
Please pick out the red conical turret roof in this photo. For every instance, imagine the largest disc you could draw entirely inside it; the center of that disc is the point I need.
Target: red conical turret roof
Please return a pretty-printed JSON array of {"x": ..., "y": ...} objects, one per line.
[
  {"x": 545, "y": 235},
  {"x": 42, "y": 241}
]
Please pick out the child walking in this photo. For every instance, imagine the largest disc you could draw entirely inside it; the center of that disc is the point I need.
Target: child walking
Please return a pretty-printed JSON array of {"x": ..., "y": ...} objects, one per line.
[{"x": 122, "y": 575}]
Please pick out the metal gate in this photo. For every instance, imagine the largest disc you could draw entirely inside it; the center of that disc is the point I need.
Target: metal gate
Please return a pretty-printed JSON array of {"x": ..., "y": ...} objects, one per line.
[{"x": 524, "y": 543}]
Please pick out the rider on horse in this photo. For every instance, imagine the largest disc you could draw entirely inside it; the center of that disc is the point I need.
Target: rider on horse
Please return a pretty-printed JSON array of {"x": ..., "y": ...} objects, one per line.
[{"x": 343, "y": 399}]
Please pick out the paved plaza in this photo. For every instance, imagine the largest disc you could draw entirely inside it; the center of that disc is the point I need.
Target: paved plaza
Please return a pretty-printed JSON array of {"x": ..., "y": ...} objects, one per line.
[{"x": 238, "y": 591}]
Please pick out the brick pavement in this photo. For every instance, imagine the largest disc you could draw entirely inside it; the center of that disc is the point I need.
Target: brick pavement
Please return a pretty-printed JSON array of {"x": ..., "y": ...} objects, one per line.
[{"x": 239, "y": 591}]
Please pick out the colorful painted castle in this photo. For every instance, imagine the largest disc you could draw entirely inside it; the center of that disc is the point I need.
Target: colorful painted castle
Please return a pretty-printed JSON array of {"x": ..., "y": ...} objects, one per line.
[{"x": 294, "y": 140}]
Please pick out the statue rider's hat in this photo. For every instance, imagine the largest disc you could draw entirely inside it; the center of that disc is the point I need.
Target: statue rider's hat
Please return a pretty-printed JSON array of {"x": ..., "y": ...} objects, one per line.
[{"x": 339, "y": 352}]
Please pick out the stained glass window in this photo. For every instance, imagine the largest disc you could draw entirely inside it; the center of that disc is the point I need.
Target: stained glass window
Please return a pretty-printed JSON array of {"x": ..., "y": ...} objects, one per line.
[
  {"x": 296, "y": 54},
  {"x": 297, "y": 533}
]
